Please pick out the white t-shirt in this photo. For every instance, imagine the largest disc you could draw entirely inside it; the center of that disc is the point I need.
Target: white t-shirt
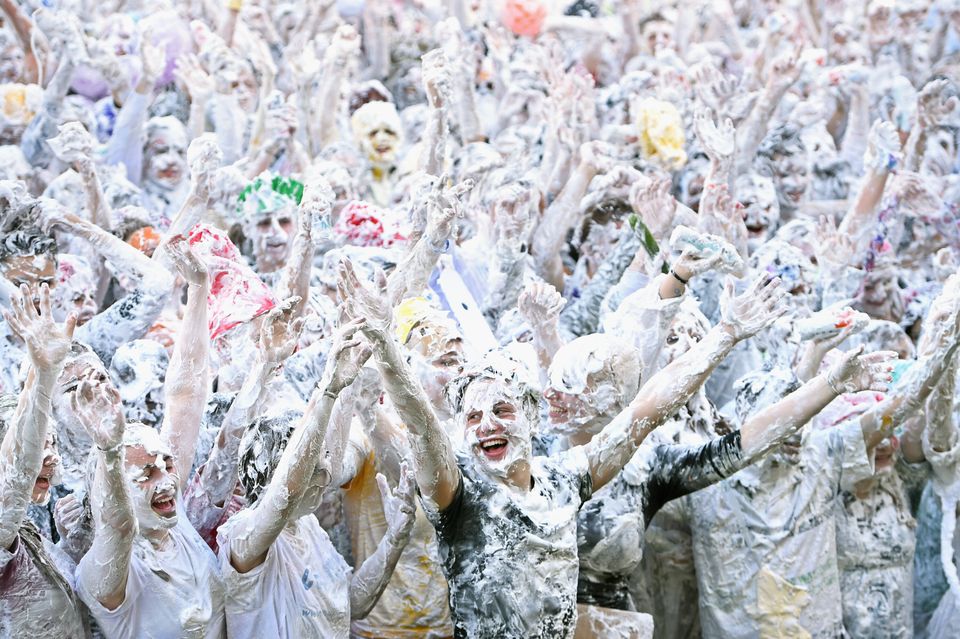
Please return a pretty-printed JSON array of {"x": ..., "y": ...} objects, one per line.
[
  {"x": 172, "y": 593},
  {"x": 300, "y": 591}
]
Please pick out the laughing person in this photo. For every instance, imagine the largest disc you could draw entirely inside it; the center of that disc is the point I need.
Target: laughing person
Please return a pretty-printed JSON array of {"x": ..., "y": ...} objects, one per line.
[
  {"x": 149, "y": 573},
  {"x": 506, "y": 520}
]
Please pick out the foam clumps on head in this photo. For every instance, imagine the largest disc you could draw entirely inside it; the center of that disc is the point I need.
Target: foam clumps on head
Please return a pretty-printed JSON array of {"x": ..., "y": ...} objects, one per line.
[{"x": 498, "y": 366}]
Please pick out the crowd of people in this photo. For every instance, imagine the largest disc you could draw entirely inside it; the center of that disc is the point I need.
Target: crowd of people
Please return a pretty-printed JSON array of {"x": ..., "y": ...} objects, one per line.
[{"x": 498, "y": 320}]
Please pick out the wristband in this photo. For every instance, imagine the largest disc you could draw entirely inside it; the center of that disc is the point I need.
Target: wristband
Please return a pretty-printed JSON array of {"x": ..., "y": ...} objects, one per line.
[
  {"x": 329, "y": 393},
  {"x": 678, "y": 278}
]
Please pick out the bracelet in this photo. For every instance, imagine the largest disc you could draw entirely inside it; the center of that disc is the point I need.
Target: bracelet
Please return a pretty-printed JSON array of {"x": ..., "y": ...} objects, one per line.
[
  {"x": 678, "y": 278},
  {"x": 832, "y": 386},
  {"x": 443, "y": 248},
  {"x": 112, "y": 449},
  {"x": 328, "y": 393}
]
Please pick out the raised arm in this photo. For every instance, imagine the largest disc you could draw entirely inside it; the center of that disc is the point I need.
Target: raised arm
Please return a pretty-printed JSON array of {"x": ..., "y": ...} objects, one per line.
[
  {"x": 130, "y": 317},
  {"x": 294, "y": 281},
  {"x": 104, "y": 574},
  {"x": 374, "y": 573},
  {"x": 278, "y": 338},
  {"x": 74, "y": 145},
  {"x": 300, "y": 458},
  {"x": 854, "y": 372},
  {"x": 436, "y": 84},
  {"x": 882, "y": 156},
  {"x": 540, "y": 305},
  {"x": 939, "y": 350},
  {"x": 783, "y": 73},
  {"x": 658, "y": 399},
  {"x": 187, "y": 380},
  {"x": 435, "y": 464},
  {"x": 413, "y": 272},
  {"x": 23, "y": 444}
]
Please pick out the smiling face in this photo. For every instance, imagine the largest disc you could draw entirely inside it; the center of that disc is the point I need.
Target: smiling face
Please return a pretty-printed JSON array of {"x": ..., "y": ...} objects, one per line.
[
  {"x": 152, "y": 480},
  {"x": 378, "y": 131},
  {"x": 48, "y": 471},
  {"x": 497, "y": 428},
  {"x": 11, "y": 63},
  {"x": 165, "y": 154},
  {"x": 271, "y": 233},
  {"x": 761, "y": 209},
  {"x": 75, "y": 290}
]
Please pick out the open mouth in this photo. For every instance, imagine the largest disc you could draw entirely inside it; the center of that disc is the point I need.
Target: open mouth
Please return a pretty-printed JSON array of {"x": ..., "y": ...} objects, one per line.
[
  {"x": 494, "y": 448},
  {"x": 169, "y": 173},
  {"x": 43, "y": 483},
  {"x": 557, "y": 413},
  {"x": 164, "y": 506}
]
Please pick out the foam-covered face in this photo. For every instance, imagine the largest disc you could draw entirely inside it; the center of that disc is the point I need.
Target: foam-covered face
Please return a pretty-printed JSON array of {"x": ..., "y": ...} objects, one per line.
[
  {"x": 32, "y": 270},
  {"x": 165, "y": 157},
  {"x": 761, "y": 208},
  {"x": 271, "y": 234},
  {"x": 152, "y": 480},
  {"x": 120, "y": 34},
  {"x": 75, "y": 290},
  {"x": 940, "y": 155},
  {"x": 497, "y": 431},
  {"x": 48, "y": 471},
  {"x": 692, "y": 177},
  {"x": 11, "y": 63},
  {"x": 138, "y": 370},
  {"x": 685, "y": 331},
  {"x": 67, "y": 189},
  {"x": 378, "y": 130},
  {"x": 234, "y": 76},
  {"x": 658, "y": 36},
  {"x": 791, "y": 177}
]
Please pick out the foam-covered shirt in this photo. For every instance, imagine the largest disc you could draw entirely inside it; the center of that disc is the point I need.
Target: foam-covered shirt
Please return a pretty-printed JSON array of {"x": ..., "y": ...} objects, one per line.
[{"x": 511, "y": 558}]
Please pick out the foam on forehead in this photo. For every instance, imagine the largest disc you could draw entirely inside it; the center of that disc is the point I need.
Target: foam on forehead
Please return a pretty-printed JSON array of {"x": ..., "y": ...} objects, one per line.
[
  {"x": 497, "y": 366},
  {"x": 598, "y": 355},
  {"x": 170, "y": 127},
  {"x": 375, "y": 114},
  {"x": 137, "y": 434}
]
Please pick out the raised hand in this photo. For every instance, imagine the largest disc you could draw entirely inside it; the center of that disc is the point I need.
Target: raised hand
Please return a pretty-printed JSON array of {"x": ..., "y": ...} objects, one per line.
[
  {"x": 193, "y": 79},
  {"x": 718, "y": 142},
  {"x": 445, "y": 207},
  {"x": 834, "y": 250},
  {"x": 786, "y": 68},
  {"x": 934, "y": 104},
  {"x": 154, "y": 61},
  {"x": 280, "y": 331},
  {"x": 399, "y": 508},
  {"x": 883, "y": 147},
  {"x": 363, "y": 303},
  {"x": 597, "y": 156},
  {"x": 98, "y": 408},
  {"x": 204, "y": 158},
  {"x": 694, "y": 261},
  {"x": 652, "y": 201},
  {"x": 344, "y": 46},
  {"x": 856, "y": 372},
  {"x": 540, "y": 302},
  {"x": 73, "y": 144},
  {"x": 347, "y": 356},
  {"x": 757, "y": 308},
  {"x": 513, "y": 209},
  {"x": 47, "y": 343},
  {"x": 713, "y": 88},
  {"x": 67, "y": 514},
  {"x": 436, "y": 78},
  {"x": 188, "y": 265}
]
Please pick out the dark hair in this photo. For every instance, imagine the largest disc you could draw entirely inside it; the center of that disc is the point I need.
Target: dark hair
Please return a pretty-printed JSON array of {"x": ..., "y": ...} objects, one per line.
[
  {"x": 261, "y": 446},
  {"x": 23, "y": 238}
]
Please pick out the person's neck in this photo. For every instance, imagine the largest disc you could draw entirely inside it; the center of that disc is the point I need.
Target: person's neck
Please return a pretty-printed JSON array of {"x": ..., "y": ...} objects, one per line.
[
  {"x": 518, "y": 479},
  {"x": 159, "y": 538}
]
